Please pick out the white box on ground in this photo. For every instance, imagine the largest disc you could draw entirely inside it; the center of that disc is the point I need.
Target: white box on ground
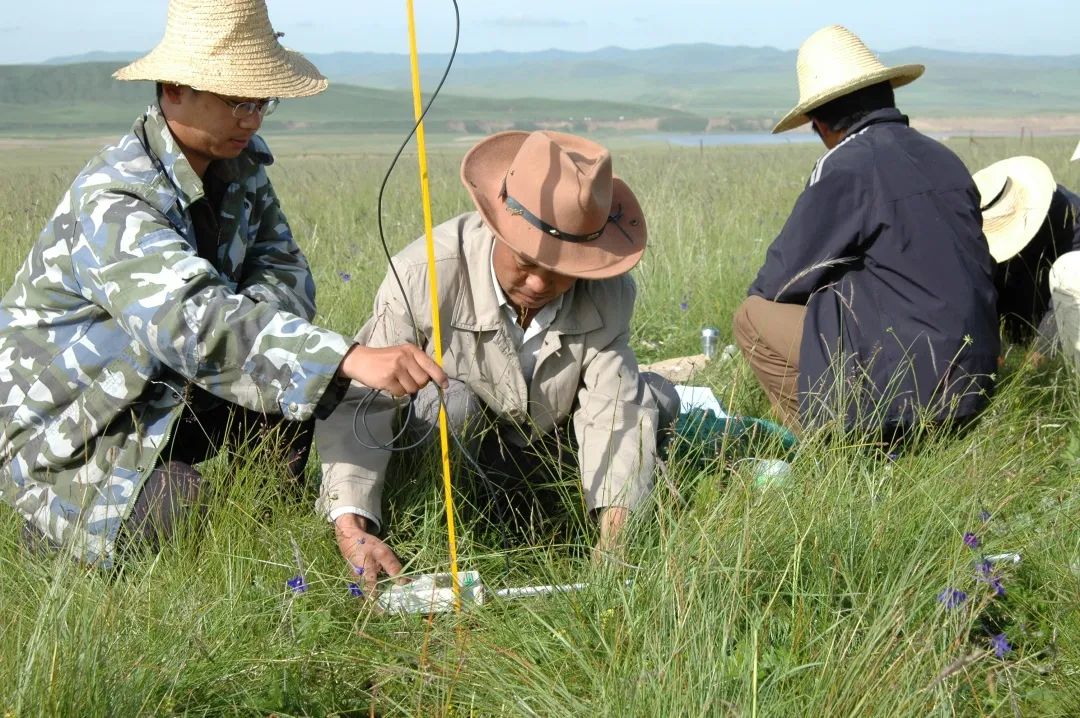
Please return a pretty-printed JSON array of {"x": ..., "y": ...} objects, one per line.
[
  {"x": 433, "y": 593},
  {"x": 699, "y": 397}
]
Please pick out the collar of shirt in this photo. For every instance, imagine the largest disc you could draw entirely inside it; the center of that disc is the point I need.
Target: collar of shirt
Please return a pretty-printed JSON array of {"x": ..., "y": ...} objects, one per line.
[
  {"x": 153, "y": 131},
  {"x": 885, "y": 114},
  {"x": 539, "y": 323}
]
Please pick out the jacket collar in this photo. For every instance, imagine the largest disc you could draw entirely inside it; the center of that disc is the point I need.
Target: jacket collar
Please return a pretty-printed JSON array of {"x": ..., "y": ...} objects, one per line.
[
  {"x": 889, "y": 114},
  {"x": 154, "y": 132},
  {"x": 477, "y": 306}
]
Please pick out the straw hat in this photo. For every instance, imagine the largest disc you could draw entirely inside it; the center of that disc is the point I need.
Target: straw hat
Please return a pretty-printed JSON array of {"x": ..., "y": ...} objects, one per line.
[
  {"x": 227, "y": 47},
  {"x": 1016, "y": 195},
  {"x": 1076, "y": 154},
  {"x": 552, "y": 198},
  {"x": 834, "y": 62}
]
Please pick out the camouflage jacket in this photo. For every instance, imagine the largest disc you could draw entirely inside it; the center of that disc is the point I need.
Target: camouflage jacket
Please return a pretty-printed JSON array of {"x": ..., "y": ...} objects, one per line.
[{"x": 114, "y": 317}]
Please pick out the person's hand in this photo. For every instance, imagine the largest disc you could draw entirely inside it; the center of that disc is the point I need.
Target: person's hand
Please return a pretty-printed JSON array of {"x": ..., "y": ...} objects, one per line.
[
  {"x": 398, "y": 370},
  {"x": 612, "y": 519},
  {"x": 365, "y": 552}
]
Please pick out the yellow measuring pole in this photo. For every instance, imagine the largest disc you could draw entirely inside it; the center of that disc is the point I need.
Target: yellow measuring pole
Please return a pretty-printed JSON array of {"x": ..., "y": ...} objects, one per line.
[{"x": 425, "y": 195}]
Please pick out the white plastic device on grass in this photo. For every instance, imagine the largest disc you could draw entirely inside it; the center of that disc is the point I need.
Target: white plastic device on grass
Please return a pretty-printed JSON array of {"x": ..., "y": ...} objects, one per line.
[{"x": 434, "y": 593}]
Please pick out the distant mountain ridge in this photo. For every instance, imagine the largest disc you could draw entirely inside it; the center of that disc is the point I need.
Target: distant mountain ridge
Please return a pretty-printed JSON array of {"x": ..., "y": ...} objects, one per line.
[
  {"x": 84, "y": 98},
  {"x": 694, "y": 87},
  {"x": 747, "y": 85}
]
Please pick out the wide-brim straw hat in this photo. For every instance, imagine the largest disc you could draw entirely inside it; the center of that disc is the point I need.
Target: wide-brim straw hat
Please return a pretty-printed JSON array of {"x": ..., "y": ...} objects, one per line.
[
  {"x": 1016, "y": 195},
  {"x": 834, "y": 62},
  {"x": 552, "y": 198},
  {"x": 227, "y": 47}
]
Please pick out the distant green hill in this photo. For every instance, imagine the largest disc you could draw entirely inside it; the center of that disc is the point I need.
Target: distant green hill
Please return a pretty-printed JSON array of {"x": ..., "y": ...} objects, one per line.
[
  {"x": 719, "y": 81},
  {"x": 84, "y": 98},
  {"x": 738, "y": 87}
]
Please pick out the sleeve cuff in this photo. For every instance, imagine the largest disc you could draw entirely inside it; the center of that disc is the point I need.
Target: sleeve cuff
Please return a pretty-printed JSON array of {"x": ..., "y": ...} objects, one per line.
[{"x": 342, "y": 510}]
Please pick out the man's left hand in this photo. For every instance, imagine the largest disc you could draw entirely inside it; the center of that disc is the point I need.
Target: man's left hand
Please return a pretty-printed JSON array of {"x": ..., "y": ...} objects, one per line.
[{"x": 612, "y": 519}]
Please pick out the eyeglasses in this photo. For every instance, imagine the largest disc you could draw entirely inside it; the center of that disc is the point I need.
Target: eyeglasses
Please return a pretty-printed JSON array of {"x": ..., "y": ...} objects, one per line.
[{"x": 244, "y": 110}]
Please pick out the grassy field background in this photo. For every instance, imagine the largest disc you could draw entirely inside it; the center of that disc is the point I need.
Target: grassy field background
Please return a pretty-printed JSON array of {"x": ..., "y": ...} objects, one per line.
[{"x": 818, "y": 596}]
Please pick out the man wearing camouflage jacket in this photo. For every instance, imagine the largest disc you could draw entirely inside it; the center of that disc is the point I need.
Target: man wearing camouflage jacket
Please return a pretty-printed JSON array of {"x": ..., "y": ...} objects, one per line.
[{"x": 165, "y": 296}]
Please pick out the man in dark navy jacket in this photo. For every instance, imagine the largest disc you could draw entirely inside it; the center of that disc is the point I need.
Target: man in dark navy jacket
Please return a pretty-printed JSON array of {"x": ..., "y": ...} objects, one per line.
[{"x": 876, "y": 303}]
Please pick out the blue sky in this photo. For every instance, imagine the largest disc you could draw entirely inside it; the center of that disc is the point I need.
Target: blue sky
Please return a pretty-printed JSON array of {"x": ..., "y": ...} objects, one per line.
[{"x": 34, "y": 30}]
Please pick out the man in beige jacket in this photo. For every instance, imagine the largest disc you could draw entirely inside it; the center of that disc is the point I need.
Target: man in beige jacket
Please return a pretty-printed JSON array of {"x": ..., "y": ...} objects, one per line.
[{"x": 535, "y": 305}]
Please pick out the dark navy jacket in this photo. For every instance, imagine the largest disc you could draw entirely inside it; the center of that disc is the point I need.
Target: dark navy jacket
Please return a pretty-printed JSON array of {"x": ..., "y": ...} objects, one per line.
[
  {"x": 885, "y": 248},
  {"x": 1023, "y": 281}
]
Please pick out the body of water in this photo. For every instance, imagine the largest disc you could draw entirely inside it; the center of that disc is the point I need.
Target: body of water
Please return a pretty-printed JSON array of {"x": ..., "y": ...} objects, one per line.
[{"x": 730, "y": 138}]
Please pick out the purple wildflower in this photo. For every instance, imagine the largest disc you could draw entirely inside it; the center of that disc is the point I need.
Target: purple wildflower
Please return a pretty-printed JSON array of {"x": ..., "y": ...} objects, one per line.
[
  {"x": 358, "y": 570},
  {"x": 345, "y": 276},
  {"x": 355, "y": 590},
  {"x": 297, "y": 584},
  {"x": 985, "y": 574},
  {"x": 971, "y": 540},
  {"x": 1000, "y": 644},
  {"x": 684, "y": 304},
  {"x": 951, "y": 597},
  {"x": 984, "y": 516}
]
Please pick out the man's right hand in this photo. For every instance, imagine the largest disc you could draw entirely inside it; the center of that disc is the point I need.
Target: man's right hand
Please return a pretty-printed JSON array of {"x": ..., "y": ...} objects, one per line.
[
  {"x": 398, "y": 370},
  {"x": 365, "y": 552}
]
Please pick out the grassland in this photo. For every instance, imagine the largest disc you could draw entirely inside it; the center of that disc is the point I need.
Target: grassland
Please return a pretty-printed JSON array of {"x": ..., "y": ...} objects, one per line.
[{"x": 816, "y": 597}]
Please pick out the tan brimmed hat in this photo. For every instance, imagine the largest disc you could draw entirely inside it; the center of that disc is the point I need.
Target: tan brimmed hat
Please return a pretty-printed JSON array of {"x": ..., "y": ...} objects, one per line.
[
  {"x": 1016, "y": 195},
  {"x": 834, "y": 62},
  {"x": 552, "y": 198},
  {"x": 227, "y": 47},
  {"x": 1076, "y": 154}
]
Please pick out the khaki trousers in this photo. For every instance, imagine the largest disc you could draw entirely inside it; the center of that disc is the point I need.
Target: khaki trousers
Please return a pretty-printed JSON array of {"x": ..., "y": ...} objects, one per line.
[{"x": 769, "y": 335}]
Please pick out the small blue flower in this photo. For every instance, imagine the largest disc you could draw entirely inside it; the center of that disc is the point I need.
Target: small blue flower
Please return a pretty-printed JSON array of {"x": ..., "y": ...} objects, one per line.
[
  {"x": 985, "y": 574},
  {"x": 951, "y": 597},
  {"x": 345, "y": 276},
  {"x": 971, "y": 540},
  {"x": 984, "y": 516},
  {"x": 1000, "y": 644},
  {"x": 358, "y": 570},
  {"x": 297, "y": 584},
  {"x": 684, "y": 304},
  {"x": 355, "y": 590}
]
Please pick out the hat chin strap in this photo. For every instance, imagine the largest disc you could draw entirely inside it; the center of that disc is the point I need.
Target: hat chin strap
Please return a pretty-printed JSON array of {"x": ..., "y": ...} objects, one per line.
[
  {"x": 515, "y": 207},
  {"x": 1005, "y": 187}
]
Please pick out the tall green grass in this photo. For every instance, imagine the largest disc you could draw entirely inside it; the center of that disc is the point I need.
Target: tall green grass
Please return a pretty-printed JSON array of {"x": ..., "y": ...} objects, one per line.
[{"x": 817, "y": 596}]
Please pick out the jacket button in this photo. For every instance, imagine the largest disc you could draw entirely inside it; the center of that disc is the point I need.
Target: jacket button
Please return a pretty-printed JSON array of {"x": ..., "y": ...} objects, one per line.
[{"x": 294, "y": 407}]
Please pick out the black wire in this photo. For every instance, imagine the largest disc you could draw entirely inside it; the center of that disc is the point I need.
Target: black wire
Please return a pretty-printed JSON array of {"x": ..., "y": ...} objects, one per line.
[
  {"x": 397, "y": 156},
  {"x": 365, "y": 404}
]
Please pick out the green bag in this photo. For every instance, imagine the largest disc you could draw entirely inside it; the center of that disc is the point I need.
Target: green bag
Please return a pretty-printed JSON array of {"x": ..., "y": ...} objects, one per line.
[{"x": 699, "y": 435}]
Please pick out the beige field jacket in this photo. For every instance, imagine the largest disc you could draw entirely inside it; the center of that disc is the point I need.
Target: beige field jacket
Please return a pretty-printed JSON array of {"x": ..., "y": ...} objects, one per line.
[{"x": 585, "y": 370}]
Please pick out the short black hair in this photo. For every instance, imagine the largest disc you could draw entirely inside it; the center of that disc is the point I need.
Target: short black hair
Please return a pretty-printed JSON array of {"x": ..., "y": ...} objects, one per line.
[
  {"x": 159, "y": 88},
  {"x": 843, "y": 112}
]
